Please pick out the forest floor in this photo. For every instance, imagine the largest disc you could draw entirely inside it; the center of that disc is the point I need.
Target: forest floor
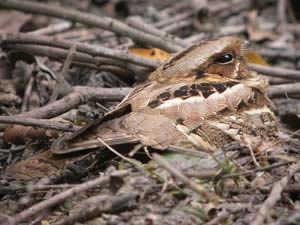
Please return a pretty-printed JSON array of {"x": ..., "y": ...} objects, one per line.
[{"x": 76, "y": 60}]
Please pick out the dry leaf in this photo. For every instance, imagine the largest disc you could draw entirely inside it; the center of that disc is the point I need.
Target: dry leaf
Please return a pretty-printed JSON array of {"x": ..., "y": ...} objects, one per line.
[
  {"x": 19, "y": 134},
  {"x": 253, "y": 57},
  {"x": 154, "y": 53}
]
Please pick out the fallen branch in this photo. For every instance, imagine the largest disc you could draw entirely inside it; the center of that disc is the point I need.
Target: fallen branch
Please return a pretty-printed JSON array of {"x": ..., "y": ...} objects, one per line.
[
  {"x": 282, "y": 90},
  {"x": 42, "y": 123},
  {"x": 178, "y": 17},
  {"x": 63, "y": 87},
  {"x": 61, "y": 54},
  {"x": 56, "y": 199},
  {"x": 14, "y": 40},
  {"x": 138, "y": 23},
  {"x": 13, "y": 188},
  {"x": 27, "y": 93},
  {"x": 292, "y": 219},
  {"x": 105, "y": 23},
  {"x": 96, "y": 206},
  {"x": 288, "y": 53},
  {"x": 210, "y": 197},
  {"x": 81, "y": 95},
  {"x": 92, "y": 50},
  {"x": 251, "y": 172},
  {"x": 276, "y": 72},
  {"x": 53, "y": 29},
  {"x": 275, "y": 195}
]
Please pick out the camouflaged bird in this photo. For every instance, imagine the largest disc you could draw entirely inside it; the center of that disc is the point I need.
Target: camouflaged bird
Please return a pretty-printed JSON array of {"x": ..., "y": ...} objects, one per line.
[{"x": 200, "y": 99}]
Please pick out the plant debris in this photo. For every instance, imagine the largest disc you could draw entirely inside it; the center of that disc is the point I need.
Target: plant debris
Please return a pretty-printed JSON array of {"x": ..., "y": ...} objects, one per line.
[{"x": 65, "y": 64}]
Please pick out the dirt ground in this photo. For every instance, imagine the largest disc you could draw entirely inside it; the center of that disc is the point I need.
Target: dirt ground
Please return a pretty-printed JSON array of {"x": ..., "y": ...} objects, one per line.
[{"x": 76, "y": 60}]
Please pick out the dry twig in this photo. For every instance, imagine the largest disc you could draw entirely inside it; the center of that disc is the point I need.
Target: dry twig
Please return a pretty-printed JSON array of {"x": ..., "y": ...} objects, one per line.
[
  {"x": 105, "y": 23},
  {"x": 61, "y": 54},
  {"x": 33, "y": 187},
  {"x": 138, "y": 23},
  {"x": 80, "y": 96},
  {"x": 97, "y": 205},
  {"x": 281, "y": 11},
  {"x": 17, "y": 39},
  {"x": 292, "y": 219},
  {"x": 289, "y": 53},
  {"x": 275, "y": 195},
  {"x": 92, "y": 50},
  {"x": 210, "y": 197},
  {"x": 251, "y": 172},
  {"x": 56, "y": 199},
  {"x": 42, "y": 123},
  {"x": 27, "y": 94},
  {"x": 281, "y": 90},
  {"x": 62, "y": 86},
  {"x": 276, "y": 72},
  {"x": 53, "y": 29}
]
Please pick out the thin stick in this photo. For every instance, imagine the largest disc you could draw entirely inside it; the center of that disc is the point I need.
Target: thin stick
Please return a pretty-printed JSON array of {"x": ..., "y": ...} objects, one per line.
[
  {"x": 275, "y": 195},
  {"x": 42, "y": 123},
  {"x": 136, "y": 164},
  {"x": 116, "y": 54},
  {"x": 281, "y": 12},
  {"x": 56, "y": 199},
  {"x": 276, "y": 72},
  {"x": 131, "y": 161},
  {"x": 174, "y": 27},
  {"x": 218, "y": 219},
  {"x": 138, "y": 23},
  {"x": 21, "y": 38},
  {"x": 62, "y": 86},
  {"x": 34, "y": 187},
  {"x": 27, "y": 94},
  {"x": 293, "y": 218},
  {"x": 289, "y": 53},
  {"x": 281, "y": 90},
  {"x": 191, "y": 184},
  {"x": 80, "y": 96},
  {"x": 179, "y": 17},
  {"x": 105, "y": 23},
  {"x": 52, "y": 29},
  {"x": 249, "y": 172},
  {"x": 61, "y": 54}
]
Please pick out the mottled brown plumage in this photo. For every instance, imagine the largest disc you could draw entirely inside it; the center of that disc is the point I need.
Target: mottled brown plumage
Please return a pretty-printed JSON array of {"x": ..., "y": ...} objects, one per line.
[{"x": 200, "y": 99}]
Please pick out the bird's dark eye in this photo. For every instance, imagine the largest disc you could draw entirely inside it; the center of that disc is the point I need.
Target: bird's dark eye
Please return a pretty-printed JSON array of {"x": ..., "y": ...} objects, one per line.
[{"x": 224, "y": 59}]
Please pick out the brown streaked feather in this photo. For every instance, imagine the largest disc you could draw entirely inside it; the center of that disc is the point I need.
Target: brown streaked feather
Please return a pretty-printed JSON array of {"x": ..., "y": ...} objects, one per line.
[
  {"x": 174, "y": 92},
  {"x": 137, "y": 90},
  {"x": 191, "y": 102},
  {"x": 92, "y": 142},
  {"x": 83, "y": 135}
]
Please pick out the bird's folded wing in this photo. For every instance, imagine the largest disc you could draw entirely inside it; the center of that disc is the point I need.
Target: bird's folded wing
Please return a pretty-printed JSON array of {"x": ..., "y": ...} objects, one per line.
[
  {"x": 93, "y": 142},
  {"x": 86, "y": 137},
  {"x": 107, "y": 128}
]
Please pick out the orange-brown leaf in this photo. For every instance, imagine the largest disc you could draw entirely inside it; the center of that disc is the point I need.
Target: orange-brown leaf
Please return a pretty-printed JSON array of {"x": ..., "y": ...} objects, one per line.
[
  {"x": 153, "y": 53},
  {"x": 19, "y": 134},
  {"x": 255, "y": 58}
]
